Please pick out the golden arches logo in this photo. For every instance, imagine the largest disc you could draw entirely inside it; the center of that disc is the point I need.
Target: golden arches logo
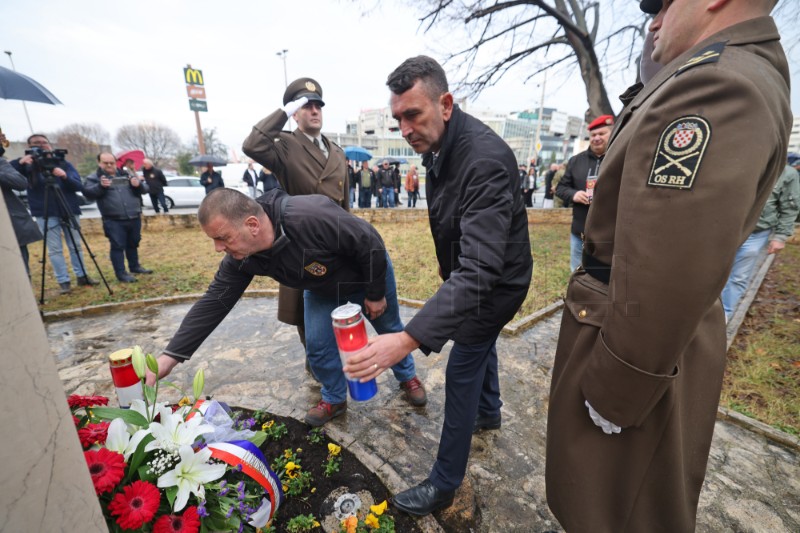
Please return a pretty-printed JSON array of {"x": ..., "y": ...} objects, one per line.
[{"x": 193, "y": 76}]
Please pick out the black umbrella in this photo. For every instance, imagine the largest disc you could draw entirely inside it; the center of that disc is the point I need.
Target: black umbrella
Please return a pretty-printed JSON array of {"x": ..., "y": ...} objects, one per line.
[
  {"x": 16, "y": 86},
  {"x": 203, "y": 160}
]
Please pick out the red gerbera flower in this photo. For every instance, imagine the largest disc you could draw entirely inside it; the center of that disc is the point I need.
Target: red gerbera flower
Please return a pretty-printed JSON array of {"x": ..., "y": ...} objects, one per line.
[
  {"x": 76, "y": 400},
  {"x": 135, "y": 505},
  {"x": 188, "y": 523},
  {"x": 91, "y": 433},
  {"x": 106, "y": 468}
]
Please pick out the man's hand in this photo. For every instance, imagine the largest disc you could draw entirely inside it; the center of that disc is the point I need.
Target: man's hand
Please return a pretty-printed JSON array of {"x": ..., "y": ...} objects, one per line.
[
  {"x": 135, "y": 181},
  {"x": 581, "y": 197},
  {"x": 381, "y": 353},
  {"x": 375, "y": 308},
  {"x": 292, "y": 107},
  {"x": 105, "y": 182},
  {"x": 165, "y": 366},
  {"x": 775, "y": 247},
  {"x": 59, "y": 173},
  {"x": 607, "y": 427},
  {"x": 26, "y": 160}
]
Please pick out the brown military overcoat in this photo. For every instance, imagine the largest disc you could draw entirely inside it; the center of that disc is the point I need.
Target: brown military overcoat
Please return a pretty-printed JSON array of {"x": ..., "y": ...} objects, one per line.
[
  {"x": 301, "y": 168},
  {"x": 689, "y": 166}
]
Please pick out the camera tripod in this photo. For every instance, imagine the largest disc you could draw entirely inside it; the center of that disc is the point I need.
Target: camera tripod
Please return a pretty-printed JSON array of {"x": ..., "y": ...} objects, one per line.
[{"x": 67, "y": 221}]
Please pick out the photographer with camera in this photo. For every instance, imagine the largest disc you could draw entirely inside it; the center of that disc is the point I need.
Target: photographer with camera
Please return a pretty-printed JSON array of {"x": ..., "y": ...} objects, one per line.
[
  {"x": 42, "y": 167},
  {"x": 117, "y": 196}
]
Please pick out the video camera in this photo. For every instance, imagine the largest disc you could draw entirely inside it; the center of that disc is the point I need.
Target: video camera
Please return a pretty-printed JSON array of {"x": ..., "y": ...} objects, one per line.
[{"x": 45, "y": 159}]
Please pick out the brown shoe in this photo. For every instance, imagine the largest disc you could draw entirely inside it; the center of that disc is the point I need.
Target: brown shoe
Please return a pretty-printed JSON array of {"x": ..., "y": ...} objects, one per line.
[
  {"x": 324, "y": 411},
  {"x": 415, "y": 392}
]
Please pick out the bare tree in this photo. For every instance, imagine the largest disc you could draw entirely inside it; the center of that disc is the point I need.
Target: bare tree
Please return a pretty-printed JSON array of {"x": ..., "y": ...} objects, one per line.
[
  {"x": 157, "y": 141},
  {"x": 83, "y": 141},
  {"x": 214, "y": 146},
  {"x": 537, "y": 36}
]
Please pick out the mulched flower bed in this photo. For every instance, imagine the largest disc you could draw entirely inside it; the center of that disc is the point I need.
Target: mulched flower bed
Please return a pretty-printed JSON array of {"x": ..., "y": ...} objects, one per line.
[{"x": 352, "y": 474}]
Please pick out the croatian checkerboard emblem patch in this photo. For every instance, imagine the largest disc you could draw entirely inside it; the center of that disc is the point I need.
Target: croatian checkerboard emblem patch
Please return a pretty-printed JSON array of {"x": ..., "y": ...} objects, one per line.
[
  {"x": 680, "y": 151},
  {"x": 316, "y": 269}
]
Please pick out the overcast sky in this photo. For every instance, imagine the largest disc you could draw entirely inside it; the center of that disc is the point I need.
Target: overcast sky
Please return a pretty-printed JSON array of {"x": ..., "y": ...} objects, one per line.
[{"x": 121, "y": 62}]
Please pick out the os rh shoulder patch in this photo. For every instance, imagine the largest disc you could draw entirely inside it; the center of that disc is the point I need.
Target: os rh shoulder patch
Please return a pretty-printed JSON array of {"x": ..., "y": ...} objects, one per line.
[
  {"x": 680, "y": 151},
  {"x": 316, "y": 269}
]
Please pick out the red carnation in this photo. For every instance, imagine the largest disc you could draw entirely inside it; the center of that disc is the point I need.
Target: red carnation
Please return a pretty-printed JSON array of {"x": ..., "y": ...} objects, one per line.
[
  {"x": 76, "y": 401},
  {"x": 188, "y": 523},
  {"x": 76, "y": 420},
  {"x": 106, "y": 467},
  {"x": 92, "y": 433},
  {"x": 135, "y": 505}
]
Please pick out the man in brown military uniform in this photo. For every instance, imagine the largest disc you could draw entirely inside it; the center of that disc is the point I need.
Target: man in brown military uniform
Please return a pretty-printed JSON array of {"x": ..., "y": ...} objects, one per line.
[
  {"x": 641, "y": 353},
  {"x": 304, "y": 161}
]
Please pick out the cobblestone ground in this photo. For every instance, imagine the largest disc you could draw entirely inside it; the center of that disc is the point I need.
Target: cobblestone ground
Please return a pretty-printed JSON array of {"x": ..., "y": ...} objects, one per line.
[{"x": 752, "y": 484}]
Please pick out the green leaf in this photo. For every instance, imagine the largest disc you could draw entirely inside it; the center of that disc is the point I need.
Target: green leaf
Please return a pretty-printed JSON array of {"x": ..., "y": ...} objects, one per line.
[
  {"x": 259, "y": 438},
  {"x": 171, "y": 493},
  {"x": 150, "y": 394},
  {"x": 138, "y": 456},
  {"x": 198, "y": 384},
  {"x": 128, "y": 415}
]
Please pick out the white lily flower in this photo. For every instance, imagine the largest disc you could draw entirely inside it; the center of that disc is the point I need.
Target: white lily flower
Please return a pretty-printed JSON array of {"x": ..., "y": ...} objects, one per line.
[
  {"x": 119, "y": 439},
  {"x": 172, "y": 432},
  {"x": 190, "y": 474},
  {"x": 260, "y": 518}
]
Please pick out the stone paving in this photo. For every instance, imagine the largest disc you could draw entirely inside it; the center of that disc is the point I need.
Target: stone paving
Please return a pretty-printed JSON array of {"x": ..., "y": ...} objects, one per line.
[{"x": 752, "y": 484}]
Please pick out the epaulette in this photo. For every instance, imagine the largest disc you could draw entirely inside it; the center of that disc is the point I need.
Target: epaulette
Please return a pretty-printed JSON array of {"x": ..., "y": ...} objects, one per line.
[{"x": 709, "y": 54}]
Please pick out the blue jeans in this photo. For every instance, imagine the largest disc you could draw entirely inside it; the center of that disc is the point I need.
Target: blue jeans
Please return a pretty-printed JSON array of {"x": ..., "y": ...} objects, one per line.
[
  {"x": 471, "y": 387},
  {"x": 364, "y": 197},
  {"x": 743, "y": 266},
  {"x": 388, "y": 197},
  {"x": 124, "y": 236},
  {"x": 575, "y": 251},
  {"x": 55, "y": 249},
  {"x": 352, "y": 197},
  {"x": 321, "y": 349}
]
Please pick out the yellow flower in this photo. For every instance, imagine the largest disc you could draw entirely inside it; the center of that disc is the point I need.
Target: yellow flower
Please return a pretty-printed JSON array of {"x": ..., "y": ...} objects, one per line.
[
  {"x": 268, "y": 425},
  {"x": 291, "y": 466},
  {"x": 313, "y": 490},
  {"x": 299, "y": 450},
  {"x": 287, "y": 453},
  {"x": 285, "y": 488},
  {"x": 372, "y": 522},
  {"x": 380, "y": 508},
  {"x": 333, "y": 449},
  {"x": 350, "y": 523},
  {"x": 184, "y": 401},
  {"x": 316, "y": 524}
]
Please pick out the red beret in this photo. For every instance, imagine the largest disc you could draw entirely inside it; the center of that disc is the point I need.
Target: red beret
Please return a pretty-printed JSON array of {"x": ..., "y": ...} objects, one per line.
[{"x": 602, "y": 120}]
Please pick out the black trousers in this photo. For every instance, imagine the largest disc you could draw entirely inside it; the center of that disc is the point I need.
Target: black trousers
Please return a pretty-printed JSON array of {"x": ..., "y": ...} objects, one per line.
[{"x": 471, "y": 387}]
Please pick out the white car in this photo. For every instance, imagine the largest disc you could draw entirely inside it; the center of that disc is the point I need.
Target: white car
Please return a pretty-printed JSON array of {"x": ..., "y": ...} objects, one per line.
[{"x": 181, "y": 191}]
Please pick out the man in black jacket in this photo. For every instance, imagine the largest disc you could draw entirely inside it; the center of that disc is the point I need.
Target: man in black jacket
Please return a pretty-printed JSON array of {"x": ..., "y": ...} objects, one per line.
[
  {"x": 211, "y": 179},
  {"x": 117, "y": 196},
  {"x": 305, "y": 242},
  {"x": 577, "y": 185},
  {"x": 480, "y": 231},
  {"x": 386, "y": 184},
  {"x": 156, "y": 181}
]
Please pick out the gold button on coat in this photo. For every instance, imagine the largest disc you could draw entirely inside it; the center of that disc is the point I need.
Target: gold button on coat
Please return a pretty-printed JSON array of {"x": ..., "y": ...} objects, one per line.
[{"x": 582, "y": 313}]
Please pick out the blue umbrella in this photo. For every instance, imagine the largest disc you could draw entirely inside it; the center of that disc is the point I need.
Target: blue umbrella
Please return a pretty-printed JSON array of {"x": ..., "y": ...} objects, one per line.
[
  {"x": 203, "y": 160},
  {"x": 15, "y": 86},
  {"x": 356, "y": 153}
]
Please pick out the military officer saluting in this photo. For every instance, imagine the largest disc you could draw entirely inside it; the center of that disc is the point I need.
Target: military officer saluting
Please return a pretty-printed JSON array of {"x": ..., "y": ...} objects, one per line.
[
  {"x": 641, "y": 352},
  {"x": 304, "y": 161}
]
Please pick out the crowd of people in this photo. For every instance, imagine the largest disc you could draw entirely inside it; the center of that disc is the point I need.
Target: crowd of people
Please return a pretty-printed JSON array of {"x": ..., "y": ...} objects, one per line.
[{"x": 661, "y": 213}]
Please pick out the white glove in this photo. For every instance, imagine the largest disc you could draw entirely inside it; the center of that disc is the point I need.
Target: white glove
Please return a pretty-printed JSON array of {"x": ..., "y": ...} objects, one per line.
[
  {"x": 292, "y": 107},
  {"x": 607, "y": 427}
]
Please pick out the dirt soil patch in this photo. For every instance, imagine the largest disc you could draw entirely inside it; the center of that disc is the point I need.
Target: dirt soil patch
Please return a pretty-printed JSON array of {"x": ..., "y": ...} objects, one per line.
[{"x": 353, "y": 477}]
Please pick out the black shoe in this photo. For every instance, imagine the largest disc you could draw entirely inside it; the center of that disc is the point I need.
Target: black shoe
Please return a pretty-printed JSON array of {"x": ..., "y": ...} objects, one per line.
[
  {"x": 126, "y": 278},
  {"x": 141, "y": 270},
  {"x": 423, "y": 499},
  {"x": 65, "y": 288},
  {"x": 86, "y": 280},
  {"x": 486, "y": 422}
]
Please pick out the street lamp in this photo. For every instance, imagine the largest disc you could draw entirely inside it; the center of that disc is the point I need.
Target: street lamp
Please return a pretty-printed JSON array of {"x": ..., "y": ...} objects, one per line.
[
  {"x": 24, "y": 106},
  {"x": 282, "y": 55}
]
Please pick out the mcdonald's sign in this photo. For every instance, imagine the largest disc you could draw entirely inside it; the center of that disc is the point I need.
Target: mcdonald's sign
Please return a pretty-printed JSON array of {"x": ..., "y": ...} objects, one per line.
[{"x": 193, "y": 76}]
